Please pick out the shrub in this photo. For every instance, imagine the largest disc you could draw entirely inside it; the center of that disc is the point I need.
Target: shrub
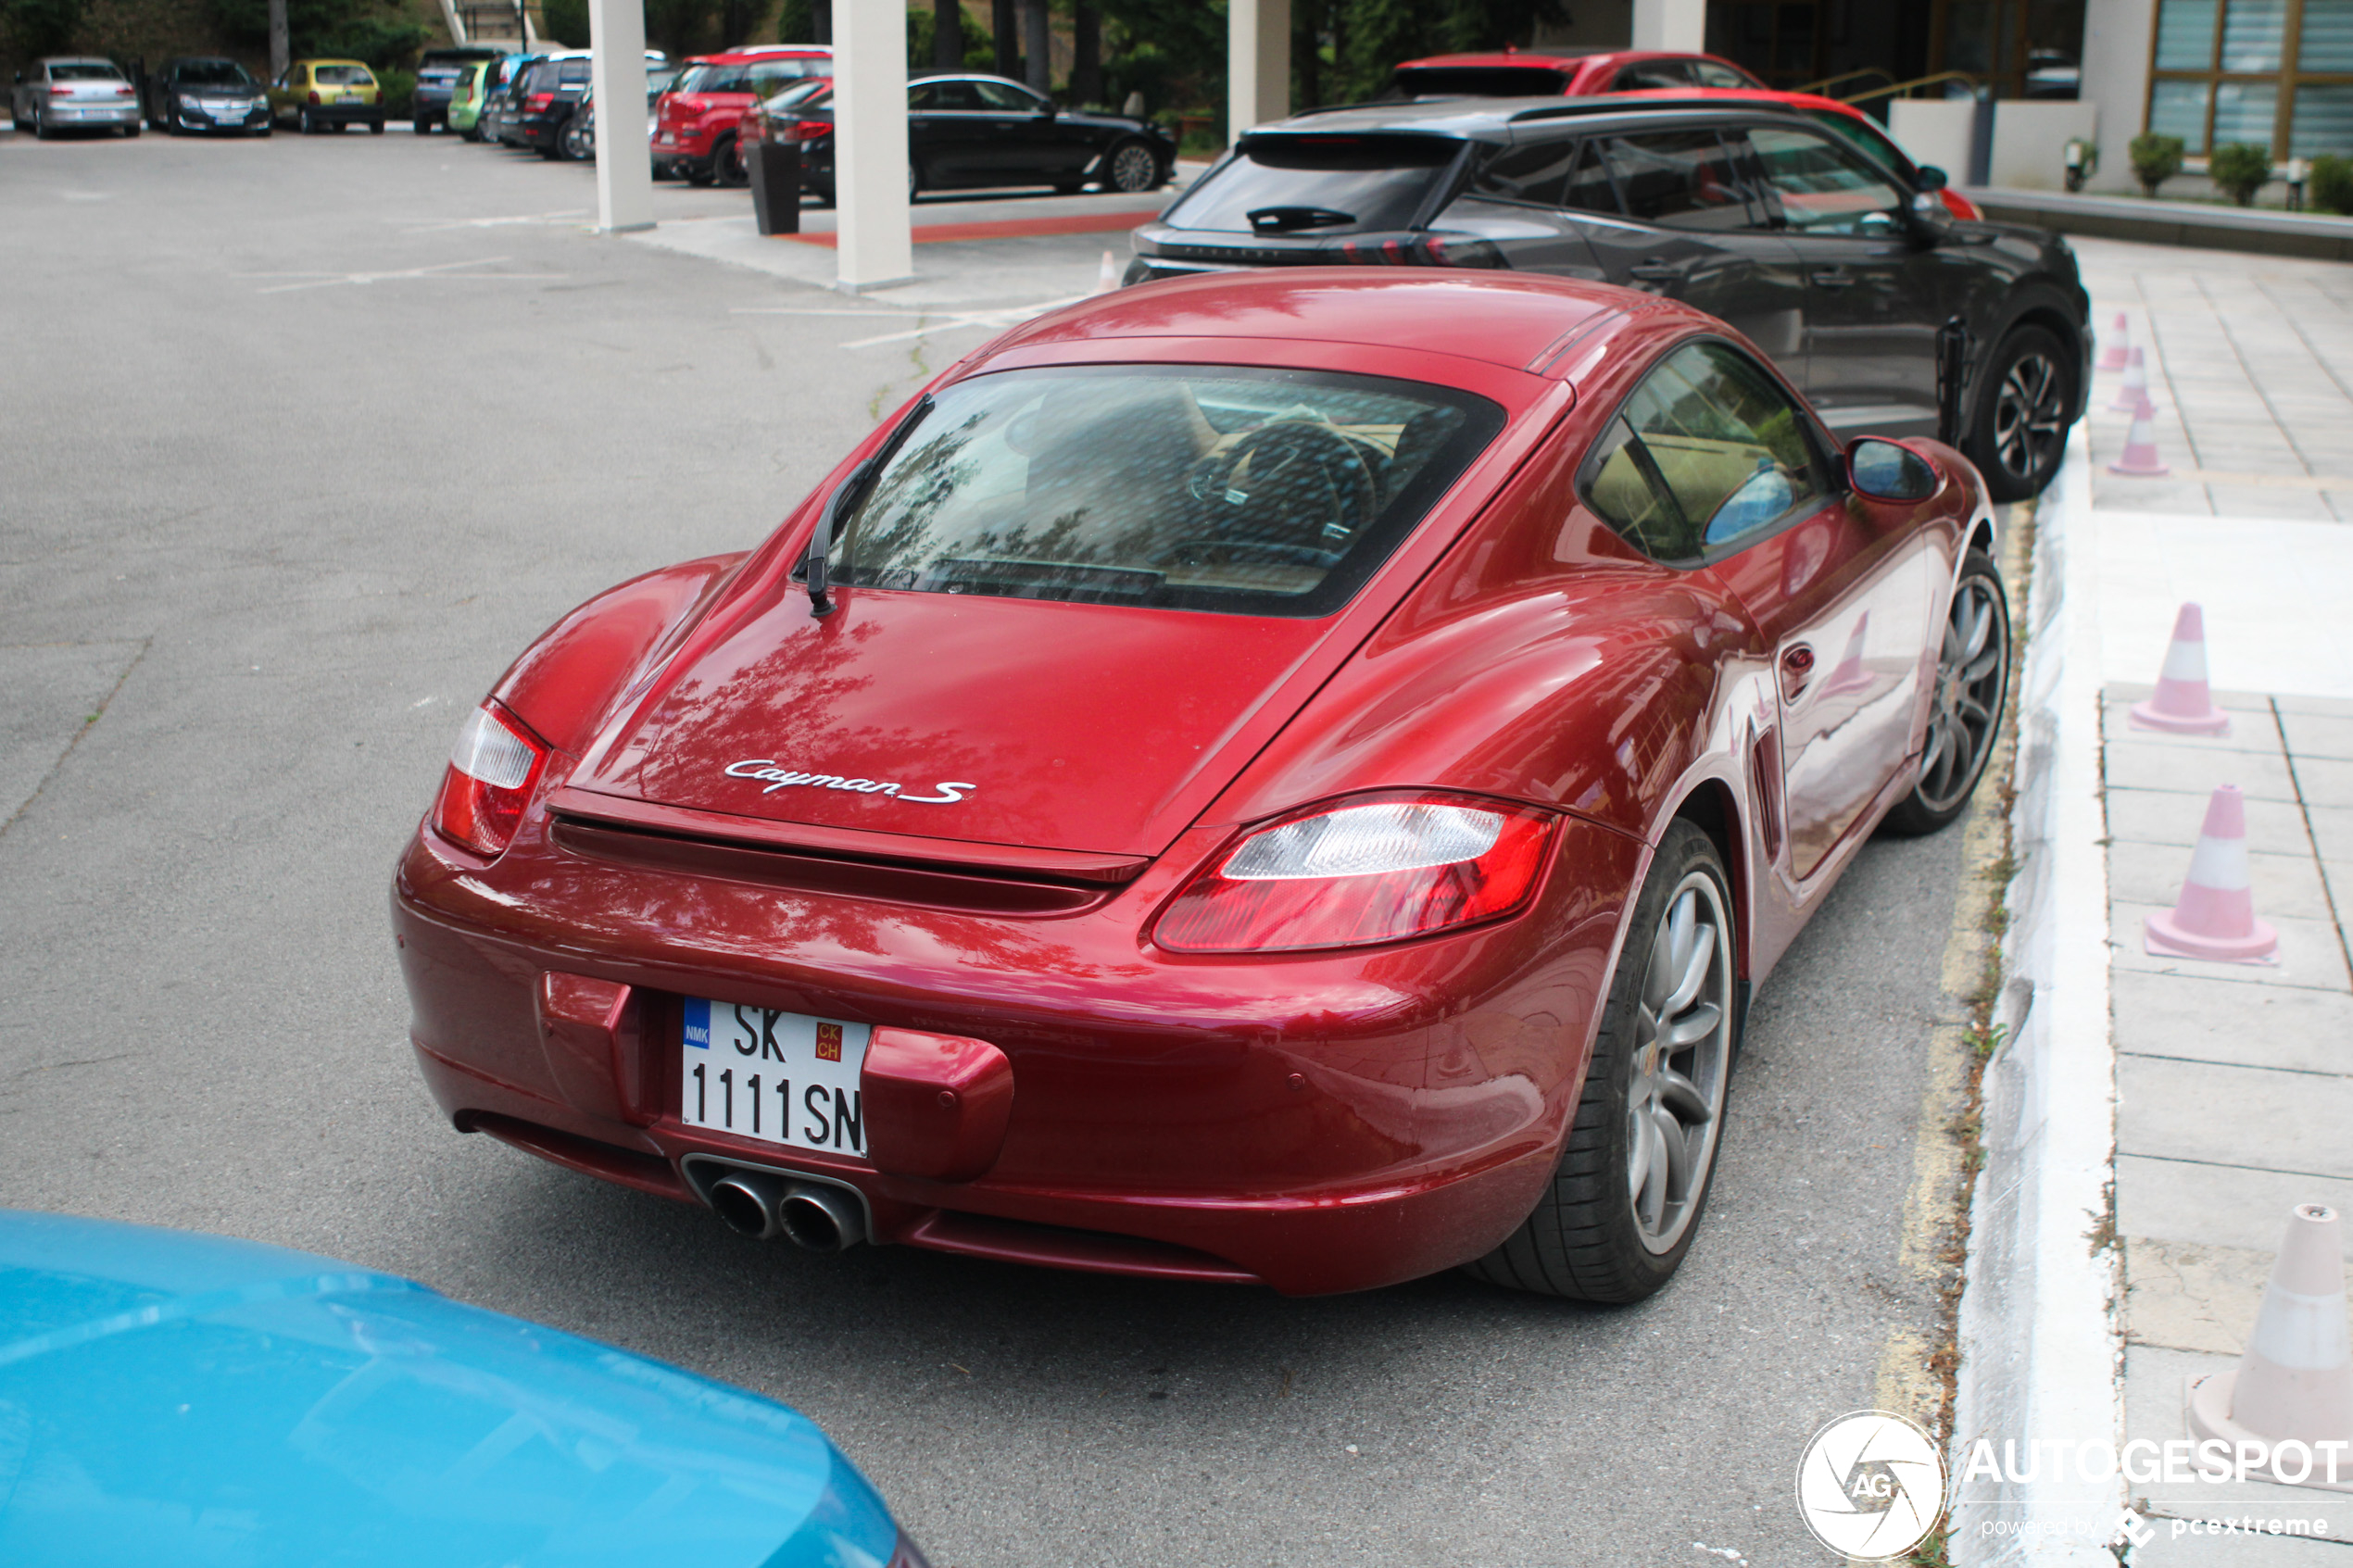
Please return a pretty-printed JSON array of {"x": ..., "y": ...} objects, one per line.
[
  {"x": 566, "y": 22},
  {"x": 33, "y": 28},
  {"x": 2331, "y": 185},
  {"x": 2156, "y": 159},
  {"x": 397, "y": 90},
  {"x": 2241, "y": 170}
]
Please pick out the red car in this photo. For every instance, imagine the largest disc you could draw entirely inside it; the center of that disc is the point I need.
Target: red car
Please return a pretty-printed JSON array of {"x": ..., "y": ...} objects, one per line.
[
  {"x": 696, "y": 122},
  {"x": 1282, "y": 776},
  {"x": 1536, "y": 73}
]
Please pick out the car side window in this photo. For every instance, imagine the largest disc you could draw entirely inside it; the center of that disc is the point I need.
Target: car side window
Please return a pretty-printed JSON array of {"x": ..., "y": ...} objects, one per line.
[
  {"x": 1823, "y": 187},
  {"x": 1590, "y": 188},
  {"x": 955, "y": 97},
  {"x": 1535, "y": 173},
  {"x": 1006, "y": 98},
  {"x": 1651, "y": 74},
  {"x": 1680, "y": 180},
  {"x": 924, "y": 95},
  {"x": 1704, "y": 458},
  {"x": 1708, "y": 73}
]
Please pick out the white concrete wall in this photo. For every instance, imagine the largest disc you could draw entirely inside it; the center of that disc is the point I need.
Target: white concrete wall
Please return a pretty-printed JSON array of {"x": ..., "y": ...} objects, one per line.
[
  {"x": 1257, "y": 63},
  {"x": 2117, "y": 39},
  {"x": 1935, "y": 130},
  {"x": 2030, "y": 142},
  {"x": 617, "y": 72},
  {"x": 876, "y": 245},
  {"x": 1670, "y": 24}
]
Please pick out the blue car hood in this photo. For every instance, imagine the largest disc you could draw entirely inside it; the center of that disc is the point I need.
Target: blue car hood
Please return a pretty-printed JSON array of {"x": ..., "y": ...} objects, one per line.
[{"x": 169, "y": 1398}]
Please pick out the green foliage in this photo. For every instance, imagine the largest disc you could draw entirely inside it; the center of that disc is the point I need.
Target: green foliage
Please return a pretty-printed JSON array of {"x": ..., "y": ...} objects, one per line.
[
  {"x": 1171, "y": 51},
  {"x": 1342, "y": 51},
  {"x": 2331, "y": 185},
  {"x": 679, "y": 27},
  {"x": 354, "y": 30},
  {"x": 2240, "y": 170},
  {"x": 566, "y": 22},
  {"x": 2156, "y": 159},
  {"x": 397, "y": 90},
  {"x": 922, "y": 32},
  {"x": 33, "y": 28}
]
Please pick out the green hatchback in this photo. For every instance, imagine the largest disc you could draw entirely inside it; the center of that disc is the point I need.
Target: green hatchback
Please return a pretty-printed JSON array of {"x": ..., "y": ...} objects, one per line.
[{"x": 467, "y": 96}]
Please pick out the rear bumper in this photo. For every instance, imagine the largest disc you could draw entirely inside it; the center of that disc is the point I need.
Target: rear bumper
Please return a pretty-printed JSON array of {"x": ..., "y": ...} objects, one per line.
[
  {"x": 1320, "y": 1123},
  {"x": 339, "y": 114},
  {"x": 126, "y": 113}
]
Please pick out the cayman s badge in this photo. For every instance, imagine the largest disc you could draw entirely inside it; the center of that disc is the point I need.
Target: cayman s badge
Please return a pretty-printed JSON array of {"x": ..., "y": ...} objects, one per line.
[{"x": 777, "y": 776}]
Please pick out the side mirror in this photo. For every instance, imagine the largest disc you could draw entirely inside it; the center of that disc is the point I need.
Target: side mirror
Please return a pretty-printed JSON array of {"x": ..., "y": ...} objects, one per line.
[
  {"x": 1886, "y": 471},
  {"x": 1928, "y": 177}
]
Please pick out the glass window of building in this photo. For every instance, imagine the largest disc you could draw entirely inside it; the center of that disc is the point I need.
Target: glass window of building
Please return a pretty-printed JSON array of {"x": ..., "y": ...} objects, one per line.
[{"x": 2278, "y": 73}]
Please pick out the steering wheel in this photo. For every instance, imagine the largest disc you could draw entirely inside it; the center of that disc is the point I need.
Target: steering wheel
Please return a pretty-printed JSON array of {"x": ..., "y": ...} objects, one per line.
[{"x": 1290, "y": 481}]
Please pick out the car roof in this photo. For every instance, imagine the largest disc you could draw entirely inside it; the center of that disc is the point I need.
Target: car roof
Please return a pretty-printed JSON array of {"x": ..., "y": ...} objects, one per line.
[
  {"x": 1496, "y": 119},
  {"x": 331, "y": 60},
  {"x": 1540, "y": 58},
  {"x": 1515, "y": 320},
  {"x": 762, "y": 52}
]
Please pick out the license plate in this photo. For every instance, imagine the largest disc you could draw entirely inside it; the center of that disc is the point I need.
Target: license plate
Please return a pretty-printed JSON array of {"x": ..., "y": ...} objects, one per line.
[{"x": 779, "y": 1077}]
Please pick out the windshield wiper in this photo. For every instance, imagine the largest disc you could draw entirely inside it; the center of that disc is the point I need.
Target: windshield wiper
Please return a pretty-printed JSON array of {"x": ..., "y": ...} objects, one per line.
[
  {"x": 1283, "y": 219},
  {"x": 846, "y": 495}
]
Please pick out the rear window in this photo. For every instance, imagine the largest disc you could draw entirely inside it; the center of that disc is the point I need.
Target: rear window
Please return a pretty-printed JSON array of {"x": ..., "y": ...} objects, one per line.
[
  {"x": 1482, "y": 81},
  {"x": 79, "y": 72},
  {"x": 1178, "y": 487},
  {"x": 342, "y": 76},
  {"x": 1318, "y": 184},
  {"x": 573, "y": 71}
]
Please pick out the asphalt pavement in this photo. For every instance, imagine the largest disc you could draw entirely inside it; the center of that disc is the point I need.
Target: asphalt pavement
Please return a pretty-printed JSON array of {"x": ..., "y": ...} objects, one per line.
[{"x": 304, "y": 440}]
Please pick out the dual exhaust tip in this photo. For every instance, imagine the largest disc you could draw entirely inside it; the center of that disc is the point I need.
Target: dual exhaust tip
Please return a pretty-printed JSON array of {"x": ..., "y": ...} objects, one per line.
[{"x": 808, "y": 1215}]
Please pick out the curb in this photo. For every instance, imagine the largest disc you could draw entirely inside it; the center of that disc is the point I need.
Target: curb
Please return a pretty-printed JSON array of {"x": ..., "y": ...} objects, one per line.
[{"x": 2040, "y": 1355}]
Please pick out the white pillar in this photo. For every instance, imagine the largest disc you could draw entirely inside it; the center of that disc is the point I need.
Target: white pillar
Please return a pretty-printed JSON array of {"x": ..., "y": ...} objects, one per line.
[
  {"x": 624, "y": 167},
  {"x": 874, "y": 244},
  {"x": 1670, "y": 24},
  {"x": 1257, "y": 63}
]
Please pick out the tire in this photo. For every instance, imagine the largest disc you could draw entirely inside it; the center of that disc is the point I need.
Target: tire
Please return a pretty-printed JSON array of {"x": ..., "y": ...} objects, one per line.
[
  {"x": 375, "y": 128},
  {"x": 727, "y": 168},
  {"x": 41, "y": 131},
  {"x": 2018, "y": 426},
  {"x": 310, "y": 125},
  {"x": 577, "y": 142},
  {"x": 1131, "y": 168},
  {"x": 1610, "y": 1229},
  {"x": 473, "y": 133},
  {"x": 422, "y": 125},
  {"x": 1972, "y": 683},
  {"x": 696, "y": 174},
  {"x": 914, "y": 181}
]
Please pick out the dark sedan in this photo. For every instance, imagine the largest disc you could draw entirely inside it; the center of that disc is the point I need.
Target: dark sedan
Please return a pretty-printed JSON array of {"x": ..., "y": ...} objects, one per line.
[
  {"x": 207, "y": 93},
  {"x": 1748, "y": 210},
  {"x": 975, "y": 132}
]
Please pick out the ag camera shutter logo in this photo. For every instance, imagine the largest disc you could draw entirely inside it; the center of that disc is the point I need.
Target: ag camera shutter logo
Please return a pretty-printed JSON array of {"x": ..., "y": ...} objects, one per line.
[{"x": 1871, "y": 1485}]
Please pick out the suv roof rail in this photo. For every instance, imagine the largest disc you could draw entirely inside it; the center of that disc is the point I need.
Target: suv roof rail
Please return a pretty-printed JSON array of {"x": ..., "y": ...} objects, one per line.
[{"x": 1613, "y": 103}]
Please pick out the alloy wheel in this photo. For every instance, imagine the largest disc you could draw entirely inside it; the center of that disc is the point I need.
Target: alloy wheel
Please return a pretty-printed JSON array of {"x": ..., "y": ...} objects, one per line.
[
  {"x": 1969, "y": 677},
  {"x": 2030, "y": 417},
  {"x": 1683, "y": 1050},
  {"x": 1134, "y": 168}
]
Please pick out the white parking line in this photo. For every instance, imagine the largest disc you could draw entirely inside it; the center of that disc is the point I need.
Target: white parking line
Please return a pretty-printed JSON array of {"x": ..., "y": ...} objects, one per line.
[
  {"x": 929, "y": 322},
  {"x": 445, "y": 271}
]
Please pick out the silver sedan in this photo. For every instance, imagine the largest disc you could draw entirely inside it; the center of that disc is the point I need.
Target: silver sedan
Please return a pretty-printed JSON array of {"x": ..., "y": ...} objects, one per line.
[{"x": 69, "y": 91}]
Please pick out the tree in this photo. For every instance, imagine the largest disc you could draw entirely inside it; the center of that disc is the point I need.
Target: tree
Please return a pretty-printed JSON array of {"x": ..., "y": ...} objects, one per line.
[
  {"x": 2156, "y": 159},
  {"x": 35, "y": 28}
]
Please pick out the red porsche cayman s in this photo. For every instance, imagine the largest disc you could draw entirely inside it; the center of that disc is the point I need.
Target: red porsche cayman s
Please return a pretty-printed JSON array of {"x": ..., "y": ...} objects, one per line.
[{"x": 1283, "y": 776}]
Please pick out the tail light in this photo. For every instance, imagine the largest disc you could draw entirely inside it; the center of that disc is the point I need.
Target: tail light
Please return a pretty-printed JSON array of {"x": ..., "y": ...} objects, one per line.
[
  {"x": 809, "y": 129},
  {"x": 314, "y": 94},
  {"x": 1380, "y": 868},
  {"x": 492, "y": 771},
  {"x": 122, "y": 91},
  {"x": 537, "y": 103},
  {"x": 1430, "y": 250},
  {"x": 60, "y": 92}
]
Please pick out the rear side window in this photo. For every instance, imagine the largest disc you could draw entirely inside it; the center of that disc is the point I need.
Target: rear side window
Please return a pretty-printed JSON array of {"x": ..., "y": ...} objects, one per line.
[
  {"x": 715, "y": 78},
  {"x": 1003, "y": 97},
  {"x": 1867, "y": 138},
  {"x": 572, "y": 72},
  {"x": 1680, "y": 179},
  {"x": 1532, "y": 173},
  {"x": 1321, "y": 184},
  {"x": 1178, "y": 487},
  {"x": 1590, "y": 188},
  {"x": 772, "y": 76},
  {"x": 1705, "y": 457},
  {"x": 1709, "y": 73}
]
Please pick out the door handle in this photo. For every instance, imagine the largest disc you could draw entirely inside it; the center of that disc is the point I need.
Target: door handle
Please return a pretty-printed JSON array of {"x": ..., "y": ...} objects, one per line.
[
  {"x": 1830, "y": 278},
  {"x": 1654, "y": 271}
]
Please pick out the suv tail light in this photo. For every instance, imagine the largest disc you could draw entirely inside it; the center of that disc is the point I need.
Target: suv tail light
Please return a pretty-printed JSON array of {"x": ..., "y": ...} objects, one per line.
[
  {"x": 492, "y": 771},
  {"x": 537, "y": 103},
  {"x": 1430, "y": 250},
  {"x": 1380, "y": 868}
]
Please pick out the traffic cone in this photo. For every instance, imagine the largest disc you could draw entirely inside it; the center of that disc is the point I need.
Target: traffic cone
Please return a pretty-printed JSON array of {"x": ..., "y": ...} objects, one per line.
[
  {"x": 2135, "y": 388},
  {"x": 2140, "y": 459},
  {"x": 2183, "y": 705},
  {"x": 1107, "y": 279},
  {"x": 2120, "y": 336},
  {"x": 2215, "y": 918},
  {"x": 2295, "y": 1385}
]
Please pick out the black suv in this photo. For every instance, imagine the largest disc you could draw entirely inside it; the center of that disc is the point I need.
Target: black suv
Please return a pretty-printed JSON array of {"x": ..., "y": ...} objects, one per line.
[
  {"x": 544, "y": 102},
  {"x": 1752, "y": 213}
]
